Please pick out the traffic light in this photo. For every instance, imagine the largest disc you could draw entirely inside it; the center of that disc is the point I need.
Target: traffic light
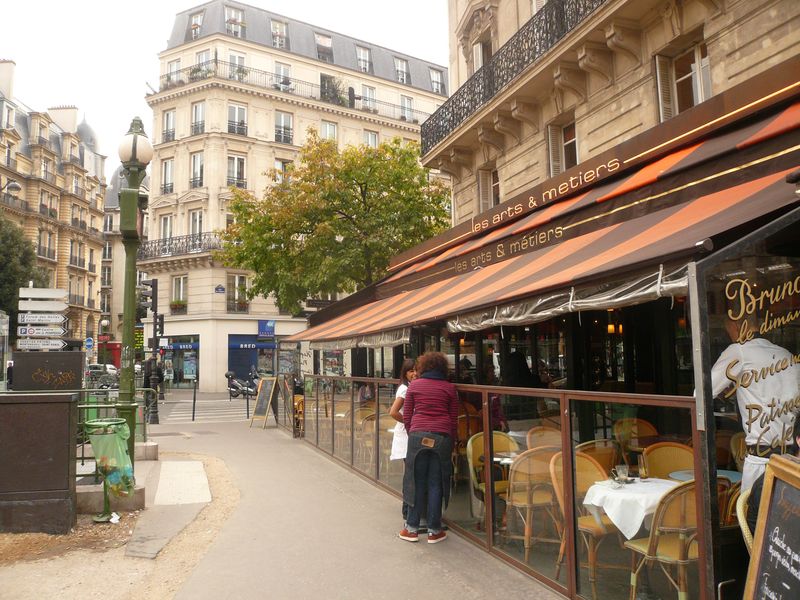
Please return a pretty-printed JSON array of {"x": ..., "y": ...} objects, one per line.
[
  {"x": 149, "y": 294},
  {"x": 159, "y": 325}
]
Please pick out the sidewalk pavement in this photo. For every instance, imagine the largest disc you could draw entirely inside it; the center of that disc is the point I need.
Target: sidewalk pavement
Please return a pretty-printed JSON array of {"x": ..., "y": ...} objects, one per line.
[{"x": 304, "y": 527}]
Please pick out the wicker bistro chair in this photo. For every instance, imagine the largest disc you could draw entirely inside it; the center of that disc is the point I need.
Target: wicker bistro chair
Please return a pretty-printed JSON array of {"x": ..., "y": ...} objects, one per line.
[
  {"x": 631, "y": 428},
  {"x": 671, "y": 542},
  {"x": 606, "y": 452},
  {"x": 741, "y": 516},
  {"x": 530, "y": 489},
  {"x": 587, "y": 471},
  {"x": 738, "y": 449},
  {"x": 730, "y": 509},
  {"x": 467, "y": 425},
  {"x": 543, "y": 436},
  {"x": 502, "y": 442},
  {"x": 663, "y": 458}
]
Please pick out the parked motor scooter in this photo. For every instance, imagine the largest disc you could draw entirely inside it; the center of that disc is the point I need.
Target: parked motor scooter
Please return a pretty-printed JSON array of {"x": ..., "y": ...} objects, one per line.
[{"x": 237, "y": 385}]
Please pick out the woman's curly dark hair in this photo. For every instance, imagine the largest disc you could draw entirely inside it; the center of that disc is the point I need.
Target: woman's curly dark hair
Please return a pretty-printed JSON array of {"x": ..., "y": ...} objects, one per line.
[{"x": 433, "y": 361}]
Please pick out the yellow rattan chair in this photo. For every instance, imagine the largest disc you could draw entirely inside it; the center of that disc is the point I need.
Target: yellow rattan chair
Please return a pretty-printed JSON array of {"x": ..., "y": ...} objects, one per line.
[
  {"x": 738, "y": 449},
  {"x": 543, "y": 436},
  {"x": 530, "y": 489},
  {"x": 587, "y": 472},
  {"x": 631, "y": 428},
  {"x": 671, "y": 542},
  {"x": 606, "y": 452},
  {"x": 663, "y": 458},
  {"x": 502, "y": 442},
  {"x": 741, "y": 516}
]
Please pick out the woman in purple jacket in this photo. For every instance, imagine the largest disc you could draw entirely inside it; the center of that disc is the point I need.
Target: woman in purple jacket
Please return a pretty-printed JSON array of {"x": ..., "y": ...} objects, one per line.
[{"x": 430, "y": 414}]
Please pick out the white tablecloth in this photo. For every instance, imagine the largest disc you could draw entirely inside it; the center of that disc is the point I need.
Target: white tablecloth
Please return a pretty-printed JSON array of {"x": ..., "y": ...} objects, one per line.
[{"x": 628, "y": 505}]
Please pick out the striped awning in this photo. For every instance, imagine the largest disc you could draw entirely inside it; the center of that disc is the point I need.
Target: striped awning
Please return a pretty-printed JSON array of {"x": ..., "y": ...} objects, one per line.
[{"x": 669, "y": 233}]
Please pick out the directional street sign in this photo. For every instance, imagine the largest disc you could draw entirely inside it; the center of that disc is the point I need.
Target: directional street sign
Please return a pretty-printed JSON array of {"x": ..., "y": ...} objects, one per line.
[
  {"x": 40, "y": 344},
  {"x": 43, "y": 305},
  {"x": 40, "y": 318},
  {"x": 41, "y": 331},
  {"x": 42, "y": 293}
]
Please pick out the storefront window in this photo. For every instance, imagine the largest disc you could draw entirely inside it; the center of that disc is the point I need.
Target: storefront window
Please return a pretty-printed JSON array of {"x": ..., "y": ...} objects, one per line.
[{"x": 551, "y": 352}]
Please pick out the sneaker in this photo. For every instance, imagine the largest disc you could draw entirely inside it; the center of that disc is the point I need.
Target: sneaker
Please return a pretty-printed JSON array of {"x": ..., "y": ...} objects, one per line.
[
  {"x": 435, "y": 538},
  {"x": 409, "y": 536}
]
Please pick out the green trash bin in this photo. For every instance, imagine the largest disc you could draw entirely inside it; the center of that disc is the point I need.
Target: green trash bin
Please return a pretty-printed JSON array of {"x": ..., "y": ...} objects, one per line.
[{"x": 109, "y": 444}]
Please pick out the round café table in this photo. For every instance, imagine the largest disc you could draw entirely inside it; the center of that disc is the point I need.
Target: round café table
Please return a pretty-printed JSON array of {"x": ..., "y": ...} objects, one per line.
[{"x": 687, "y": 474}]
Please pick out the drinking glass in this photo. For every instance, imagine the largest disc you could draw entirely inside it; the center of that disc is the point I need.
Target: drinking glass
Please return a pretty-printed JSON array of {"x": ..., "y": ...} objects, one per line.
[
  {"x": 642, "y": 468},
  {"x": 620, "y": 472}
]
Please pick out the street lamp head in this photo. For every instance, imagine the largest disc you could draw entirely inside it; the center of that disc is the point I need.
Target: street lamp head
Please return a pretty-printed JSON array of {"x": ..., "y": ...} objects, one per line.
[
  {"x": 12, "y": 186},
  {"x": 104, "y": 323},
  {"x": 135, "y": 150}
]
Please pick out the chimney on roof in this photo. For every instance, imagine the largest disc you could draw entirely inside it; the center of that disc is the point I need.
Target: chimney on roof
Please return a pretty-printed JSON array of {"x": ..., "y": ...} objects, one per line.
[
  {"x": 7, "y": 78},
  {"x": 65, "y": 117}
]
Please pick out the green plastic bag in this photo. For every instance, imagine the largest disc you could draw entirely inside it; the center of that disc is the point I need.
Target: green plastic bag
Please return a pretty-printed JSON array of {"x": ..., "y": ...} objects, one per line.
[{"x": 108, "y": 437}]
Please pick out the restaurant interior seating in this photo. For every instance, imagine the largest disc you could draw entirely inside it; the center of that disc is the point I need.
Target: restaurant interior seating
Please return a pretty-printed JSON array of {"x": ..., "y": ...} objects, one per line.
[
  {"x": 530, "y": 490},
  {"x": 467, "y": 425},
  {"x": 672, "y": 540},
  {"x": 592, "y": 532},
  {"x": 738, "y": 449},
  {"x": 386, "y": 424},
  {"x": 631, "y": 428},
  {"x": 604, "y": 451},
  {"x": 501, "y": 442},
  {"x": 541, "y": 435},
  {"x": 741, "y": 516},
  {"x": 729, "y": 518},
  {"x": 662, "y": 458}
]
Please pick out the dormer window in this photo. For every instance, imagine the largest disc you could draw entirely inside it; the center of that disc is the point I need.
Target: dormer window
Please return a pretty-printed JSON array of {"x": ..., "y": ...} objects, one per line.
[
  {"x": 234, "y": 21},
  {"x": 280, "y": 39},
  {"x": 401, "y": 70},
  {"x": 437, "y": 81},
  {"x": 196, "y": 22},
  {"x": 364, "y": 58},
  {"x": 324, "y": 47}
]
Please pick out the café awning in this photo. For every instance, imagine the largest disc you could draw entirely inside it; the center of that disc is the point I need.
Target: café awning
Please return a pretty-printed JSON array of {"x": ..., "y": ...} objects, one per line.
[{"x": 658, "y": 242}]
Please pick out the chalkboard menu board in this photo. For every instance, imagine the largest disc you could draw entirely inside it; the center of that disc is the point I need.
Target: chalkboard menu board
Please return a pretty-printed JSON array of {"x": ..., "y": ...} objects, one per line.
[
  {"x": 775, "y": 563},
  {"x": 266, "y": 398}
]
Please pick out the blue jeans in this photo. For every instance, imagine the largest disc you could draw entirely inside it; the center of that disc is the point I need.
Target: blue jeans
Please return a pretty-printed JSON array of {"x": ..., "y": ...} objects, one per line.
[{"x": 427, "y": 481}]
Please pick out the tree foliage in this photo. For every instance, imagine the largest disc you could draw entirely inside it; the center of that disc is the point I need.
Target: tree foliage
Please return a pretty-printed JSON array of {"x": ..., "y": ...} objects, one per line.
[
  {"x": 18, "y": 260},
  {"x": 332, "y": 223}
]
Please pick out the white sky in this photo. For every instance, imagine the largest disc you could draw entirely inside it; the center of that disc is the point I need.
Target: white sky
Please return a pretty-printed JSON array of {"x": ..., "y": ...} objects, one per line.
[{"x": 98, "y": 54}]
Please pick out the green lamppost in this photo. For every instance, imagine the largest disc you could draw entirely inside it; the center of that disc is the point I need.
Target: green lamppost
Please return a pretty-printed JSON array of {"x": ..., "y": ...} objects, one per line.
[{"x": 135, "y": 152}]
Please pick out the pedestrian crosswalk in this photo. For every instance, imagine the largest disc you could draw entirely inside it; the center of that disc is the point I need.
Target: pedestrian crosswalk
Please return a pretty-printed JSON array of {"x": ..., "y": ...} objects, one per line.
[{"x": 206, "y": 411}]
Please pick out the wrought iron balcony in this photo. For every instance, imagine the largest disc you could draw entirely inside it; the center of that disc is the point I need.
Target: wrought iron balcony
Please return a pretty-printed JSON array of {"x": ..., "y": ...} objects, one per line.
[
  {"x": 239, "y": 128},
  {"x": 198, "y": 127},
  {"x": 167, "y": 188},
  {"x": 75, "y": 299},
  {"x": 77, "y": 261},
  {"x": 48, "y": 176},
  {"x": 196, "y": 182},
  {"x": 89, "y": 304},
  {"x": 75, "y": 160},
  {"x": 289, "y": 85},
  {"x": 45, "y": 252},
  {"x": 168, "y": 135},
  {"x": 12, "y": 163},
  {"x": 14, "y": 202},
  {"x": 283, "y": 135},
  {"x": 180, "y": 245},
  {"x": 105, "y": 281},
  {"x": 238, "y": 306},
  {"x": 535, "y": 38},
  {"x": 92, "y": 267},
  {"x": 237, "y": 182},
  {"x": 93, "y": 204},
  {"x": 75, "y": 221},
  {"x": 42, "y": 141}
]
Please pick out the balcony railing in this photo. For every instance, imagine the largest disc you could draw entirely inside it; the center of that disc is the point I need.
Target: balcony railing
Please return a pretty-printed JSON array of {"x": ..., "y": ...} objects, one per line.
[
  {"x": 180, "y": 245},
  {"x": 167, "y": 188},
  {"x": 75, "y": 299},
  {"x": 12, "y": 163},
  {"x": 198, "y": 127},
  {"x": 14, "y": 202},
  {"x": 236, "y": 30},
  {"x": 238, "y": 306},
  {"x": 168, "y": 135},
  {"x": 105, "y": 282},
  {"x": 239, "y": 128},
  {"x": 92, "y": 267},
  {"x": 89, "y": 304},
  {"x": 237, "y": 182},
  {"x": 75, "y": 160},
  {"x": 48, "y": 176},
  {"x": 288, "y": 85},
  {"x": 75, "y": 221},
  {"x": 283, "y": 135},
  {"x": 196, "y": 182},
  {"x": 535, "y": 38},
  {"x": 77, "y": 261},
  {"x": 42, "y": 141},
  {"x": 45, "y": 252},
  {"x": 93, "y": 204}
]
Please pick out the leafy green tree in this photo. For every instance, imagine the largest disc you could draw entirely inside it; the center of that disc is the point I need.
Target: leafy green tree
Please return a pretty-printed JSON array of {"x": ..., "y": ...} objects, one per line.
[
  {"x": 334, "y": 219},
  {"x": 18, "y": 260}
]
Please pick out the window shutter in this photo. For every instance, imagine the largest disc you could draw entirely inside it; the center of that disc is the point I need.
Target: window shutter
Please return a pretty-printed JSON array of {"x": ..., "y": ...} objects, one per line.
[
  {"x": 477, "y": 57},
  {"x": 666, "y": 99},
  {"x": 555, "y": 143},
  {"x": 484, "y": 191}
]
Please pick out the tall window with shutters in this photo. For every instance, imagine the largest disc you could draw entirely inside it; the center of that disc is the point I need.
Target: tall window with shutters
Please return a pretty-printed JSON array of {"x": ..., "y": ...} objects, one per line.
[
  {"x": 488, "y": 189},
  {"x": 562, "y": 147},
  {"x": 683, "y": 81}
]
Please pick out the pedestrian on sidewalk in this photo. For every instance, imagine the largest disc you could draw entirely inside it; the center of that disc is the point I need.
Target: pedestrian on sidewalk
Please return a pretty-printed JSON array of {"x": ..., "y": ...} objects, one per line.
[
  {"x": 400, "y": 437},
  {"x": 430, "y": 415}
]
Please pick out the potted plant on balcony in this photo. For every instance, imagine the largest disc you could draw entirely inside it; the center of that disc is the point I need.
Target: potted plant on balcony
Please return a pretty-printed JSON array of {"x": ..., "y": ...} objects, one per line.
[
  {"x": 241, "y": 73},
  {"x": 177, "y": 306},
  {"x": 242, "y": 305}
]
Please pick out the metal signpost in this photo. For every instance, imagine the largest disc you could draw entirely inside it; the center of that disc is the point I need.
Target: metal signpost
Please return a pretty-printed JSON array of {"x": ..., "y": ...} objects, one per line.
[{"x": 40, "y": 315}]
